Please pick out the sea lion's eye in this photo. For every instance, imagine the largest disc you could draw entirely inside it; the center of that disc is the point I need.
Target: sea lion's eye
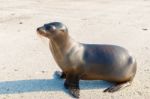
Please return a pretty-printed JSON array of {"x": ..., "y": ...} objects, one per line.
[{"x": 47, "y": 27}]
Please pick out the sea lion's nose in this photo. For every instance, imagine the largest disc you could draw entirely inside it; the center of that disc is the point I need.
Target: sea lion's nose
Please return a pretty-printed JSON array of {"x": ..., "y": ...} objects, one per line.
[{"x": 38, "y": 29}]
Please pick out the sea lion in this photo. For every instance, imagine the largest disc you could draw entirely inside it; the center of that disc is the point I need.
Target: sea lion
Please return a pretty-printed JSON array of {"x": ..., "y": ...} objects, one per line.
[{"x": 88, "y": 61}]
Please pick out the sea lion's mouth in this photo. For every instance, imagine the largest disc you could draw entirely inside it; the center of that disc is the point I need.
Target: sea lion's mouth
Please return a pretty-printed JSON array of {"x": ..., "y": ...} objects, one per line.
[{"x": 41, "y": 31}]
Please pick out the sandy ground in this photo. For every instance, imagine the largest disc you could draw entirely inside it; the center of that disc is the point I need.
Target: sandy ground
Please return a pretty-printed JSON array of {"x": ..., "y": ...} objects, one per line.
[{"x": 27, "y": 66}]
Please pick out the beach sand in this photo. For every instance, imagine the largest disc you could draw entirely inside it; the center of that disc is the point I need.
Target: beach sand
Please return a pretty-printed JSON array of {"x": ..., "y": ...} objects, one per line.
[{"x": 27, "y": 65}]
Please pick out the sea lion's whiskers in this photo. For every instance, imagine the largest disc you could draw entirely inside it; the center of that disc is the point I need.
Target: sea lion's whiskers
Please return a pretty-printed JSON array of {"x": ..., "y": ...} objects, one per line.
[{"x": 43, "y": 39}]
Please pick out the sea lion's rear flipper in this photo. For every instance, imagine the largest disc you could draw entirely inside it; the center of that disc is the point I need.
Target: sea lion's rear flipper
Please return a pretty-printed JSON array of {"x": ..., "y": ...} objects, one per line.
[{"x": 118, "y": 86}]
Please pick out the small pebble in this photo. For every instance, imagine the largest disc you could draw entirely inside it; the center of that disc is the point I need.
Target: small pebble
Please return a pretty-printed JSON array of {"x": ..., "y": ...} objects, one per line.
[
  {"x": 144, "y": 29},
  {"x": 140, "y": 93},
  {"x": 20, "y": 22},
  {"x": 13, "y": 14},
  {"x": 84, "y": 19},
  {"x": 43, "y": 71},
  {"x": 15, "y": 69}
]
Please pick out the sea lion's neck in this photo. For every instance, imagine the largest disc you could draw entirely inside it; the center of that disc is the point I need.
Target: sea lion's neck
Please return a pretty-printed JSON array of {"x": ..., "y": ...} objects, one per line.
[
  {"x": 61, "y": 45},
  {"x": 60, "y": 48}
]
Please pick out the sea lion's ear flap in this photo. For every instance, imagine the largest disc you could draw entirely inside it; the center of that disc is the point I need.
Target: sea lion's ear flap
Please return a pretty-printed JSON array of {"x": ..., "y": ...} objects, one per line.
[
  {"x": 53, "y": 27},
  {"x": 64, "y": 29}
]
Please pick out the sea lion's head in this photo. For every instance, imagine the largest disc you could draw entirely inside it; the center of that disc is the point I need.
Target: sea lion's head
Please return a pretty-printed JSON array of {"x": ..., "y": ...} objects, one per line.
[{"x": 53, "y": 30}]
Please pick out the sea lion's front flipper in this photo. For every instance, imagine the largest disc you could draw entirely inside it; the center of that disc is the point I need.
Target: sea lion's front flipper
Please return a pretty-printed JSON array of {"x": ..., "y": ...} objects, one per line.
[
  {"x": 118, "y": 86},
  {"x": 72, "y": 84},
  {"x": 60, "y": 74},
  {"x": 75, "y": 92}
]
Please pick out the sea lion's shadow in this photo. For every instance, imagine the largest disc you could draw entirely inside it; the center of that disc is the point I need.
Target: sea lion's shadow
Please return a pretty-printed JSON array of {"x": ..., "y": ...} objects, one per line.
[{"x": 36, "y": 85}]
